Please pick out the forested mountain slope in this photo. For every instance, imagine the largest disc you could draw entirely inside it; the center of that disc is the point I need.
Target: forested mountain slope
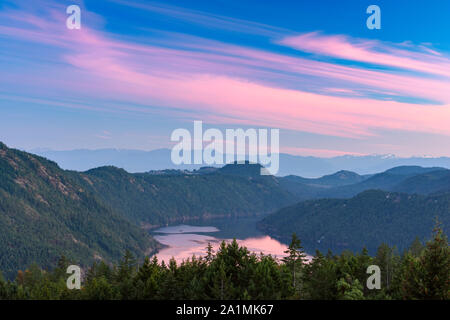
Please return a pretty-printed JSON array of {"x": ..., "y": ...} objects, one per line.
[
  {"x": 45, "y": 213},
  {"x": 408, "y": 179},
  {"x": 368, "y": 219},
  {"x": 151, "y": 199},
  {"x": 437, "y": 181}
]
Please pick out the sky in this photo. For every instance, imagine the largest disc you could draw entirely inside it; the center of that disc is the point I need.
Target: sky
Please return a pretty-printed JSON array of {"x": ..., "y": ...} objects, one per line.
[{"x": 137, "y": 70}]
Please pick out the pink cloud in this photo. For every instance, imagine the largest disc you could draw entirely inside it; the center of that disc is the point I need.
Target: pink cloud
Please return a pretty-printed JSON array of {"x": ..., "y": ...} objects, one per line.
[
  {"x": 223, "y": 83},
  {"x": 370, "y": 51},
  {"x": 218, "y": 58}
]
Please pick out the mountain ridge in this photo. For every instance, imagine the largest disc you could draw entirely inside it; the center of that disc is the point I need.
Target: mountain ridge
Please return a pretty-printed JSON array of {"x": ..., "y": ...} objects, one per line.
[{"x": 136, "y": 161}]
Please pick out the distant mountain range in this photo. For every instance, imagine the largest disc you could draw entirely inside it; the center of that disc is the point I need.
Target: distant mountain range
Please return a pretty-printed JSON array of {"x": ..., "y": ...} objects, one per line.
[
  {"x": 305, "y": 166},
  {"x": 46, "y": 211},
  {"x": 411, "y": 179}
]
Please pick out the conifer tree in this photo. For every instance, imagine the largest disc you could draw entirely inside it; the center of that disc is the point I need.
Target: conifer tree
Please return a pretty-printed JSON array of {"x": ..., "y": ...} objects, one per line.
[
  {"x": 416, "y": 247},
  {"x": 295, "y": 259},
  {"x": 428, "y": 276},
  {"x": 124, "y": 276},
  {"x": 350, "y": 289}
]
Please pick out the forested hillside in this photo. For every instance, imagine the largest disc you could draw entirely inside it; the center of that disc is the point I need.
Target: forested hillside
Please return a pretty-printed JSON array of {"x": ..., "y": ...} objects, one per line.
[
  {"x": 437, "y": 181},
  {"x": 366, "y": 220},
  {"x": 44, "y": 213},
  {"x": 159, "y": 199}
]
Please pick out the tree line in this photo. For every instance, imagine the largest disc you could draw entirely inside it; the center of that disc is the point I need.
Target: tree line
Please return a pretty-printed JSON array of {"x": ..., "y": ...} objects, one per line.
[{"x": 421, "y": 272}]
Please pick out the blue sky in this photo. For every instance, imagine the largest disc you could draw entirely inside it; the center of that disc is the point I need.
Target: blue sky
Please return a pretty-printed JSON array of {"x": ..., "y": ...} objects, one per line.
[{"x": 137, "y": 70}]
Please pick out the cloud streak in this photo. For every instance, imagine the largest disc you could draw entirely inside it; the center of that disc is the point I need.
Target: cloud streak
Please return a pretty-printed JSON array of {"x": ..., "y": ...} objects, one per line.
[
  {"x": 232, "y": 84},
  {"x": 371, "y": 51}
]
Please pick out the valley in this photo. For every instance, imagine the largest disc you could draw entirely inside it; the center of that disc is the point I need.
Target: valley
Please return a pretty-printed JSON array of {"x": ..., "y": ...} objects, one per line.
[{"x": 98, "y": 214}]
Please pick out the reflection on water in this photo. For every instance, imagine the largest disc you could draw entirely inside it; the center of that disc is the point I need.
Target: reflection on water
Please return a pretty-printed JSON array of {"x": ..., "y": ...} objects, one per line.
[
  {"x": 184, "y": 241},
  {"x": 183, "y": 246}
]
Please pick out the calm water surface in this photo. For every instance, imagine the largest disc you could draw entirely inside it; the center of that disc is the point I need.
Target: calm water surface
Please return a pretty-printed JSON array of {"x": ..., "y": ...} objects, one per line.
[{"x": 184, "y": 241}]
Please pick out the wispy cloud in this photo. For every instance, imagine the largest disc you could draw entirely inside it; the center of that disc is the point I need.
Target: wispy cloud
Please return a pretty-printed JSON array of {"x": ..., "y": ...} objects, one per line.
[
  {"x": 372, "y": 51},
  {"x": 233, "y": 84},
  {"x": 105, "y": 135},
  {"x": 209, "y": 20}
]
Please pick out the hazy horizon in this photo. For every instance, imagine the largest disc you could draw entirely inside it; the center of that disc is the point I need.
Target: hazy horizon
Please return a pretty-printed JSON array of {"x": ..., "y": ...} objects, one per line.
[
  {"x": 136, "y": 161},
  {"x": 137, "y": 70}
]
